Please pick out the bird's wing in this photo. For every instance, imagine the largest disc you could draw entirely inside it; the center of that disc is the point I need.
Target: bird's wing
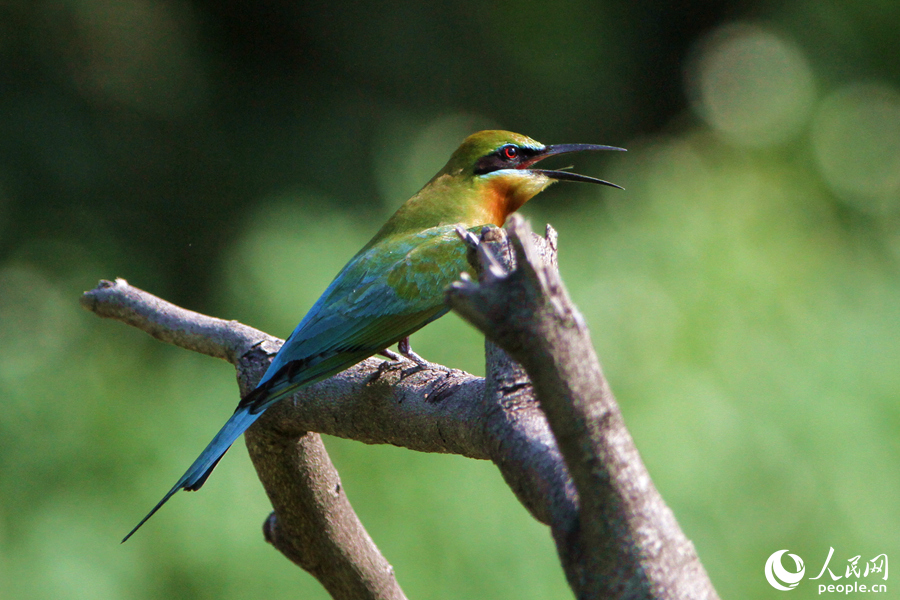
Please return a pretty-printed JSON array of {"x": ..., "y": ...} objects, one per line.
[{"x": 383, "y": 295}]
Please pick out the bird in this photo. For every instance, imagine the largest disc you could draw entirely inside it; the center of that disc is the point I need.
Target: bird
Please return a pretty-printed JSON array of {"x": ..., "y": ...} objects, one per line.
[{"x": 395, "y": 284}]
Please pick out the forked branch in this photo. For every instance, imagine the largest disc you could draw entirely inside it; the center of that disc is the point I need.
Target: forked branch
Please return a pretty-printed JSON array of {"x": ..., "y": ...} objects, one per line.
[{"x": 615, "y": 536}]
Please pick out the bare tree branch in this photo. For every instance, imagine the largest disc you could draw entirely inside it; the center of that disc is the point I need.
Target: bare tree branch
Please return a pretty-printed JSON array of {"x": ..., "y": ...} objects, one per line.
[
  {"x": 172, "y": 324},
  {"x": 628, "y": 542},
  {"x": 622, "y": 543},
  {"x": 313, "y": 523},
  {"x": 315, "y": 527}
]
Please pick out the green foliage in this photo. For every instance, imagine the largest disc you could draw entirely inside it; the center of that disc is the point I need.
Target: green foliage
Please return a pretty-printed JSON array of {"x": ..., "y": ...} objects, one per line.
[{"x": 743, "y": 293}]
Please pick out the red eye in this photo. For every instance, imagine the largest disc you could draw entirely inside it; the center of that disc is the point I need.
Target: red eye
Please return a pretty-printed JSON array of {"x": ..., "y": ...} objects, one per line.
[{"x": 510, "y": 152}]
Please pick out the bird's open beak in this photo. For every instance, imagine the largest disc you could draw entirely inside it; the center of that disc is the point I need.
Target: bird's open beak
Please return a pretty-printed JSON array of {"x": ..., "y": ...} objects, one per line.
[{"x": 568, "y": 175}]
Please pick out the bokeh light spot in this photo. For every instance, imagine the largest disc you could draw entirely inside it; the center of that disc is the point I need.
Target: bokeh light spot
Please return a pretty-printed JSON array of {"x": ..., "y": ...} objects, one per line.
[
  {"x": 856, "y": 139},
  {"x": 751, "y": 85}
]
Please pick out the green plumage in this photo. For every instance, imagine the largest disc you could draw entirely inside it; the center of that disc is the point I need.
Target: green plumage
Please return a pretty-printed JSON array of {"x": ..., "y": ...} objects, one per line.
[{"x": 390, "y": 289}]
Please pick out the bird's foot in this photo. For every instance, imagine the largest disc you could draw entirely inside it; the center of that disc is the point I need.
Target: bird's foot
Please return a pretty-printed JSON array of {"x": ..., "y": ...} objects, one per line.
[
  {"x": 395, "y": 361},
  {"x": 406, "y": 351},
  {"x": 421, "y": 364},
  {"x": 390, "y": 354}
]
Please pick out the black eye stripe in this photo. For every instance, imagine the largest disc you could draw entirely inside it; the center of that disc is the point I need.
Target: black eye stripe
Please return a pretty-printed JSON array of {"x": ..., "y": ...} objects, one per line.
[{"x": 499, "y": 159}]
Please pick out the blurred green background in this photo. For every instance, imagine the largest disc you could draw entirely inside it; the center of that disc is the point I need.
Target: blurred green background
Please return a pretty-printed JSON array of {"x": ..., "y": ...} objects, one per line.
[{"x": 743, "y": 293}]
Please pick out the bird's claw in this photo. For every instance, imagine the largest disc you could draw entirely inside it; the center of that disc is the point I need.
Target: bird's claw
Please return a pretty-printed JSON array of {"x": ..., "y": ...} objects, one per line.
[
  {"x": 421, "y": 364},
  {"x": 406, "y": 351},
  {"x": 390, "y": 354},
  {"x": 395, "y": 361}
]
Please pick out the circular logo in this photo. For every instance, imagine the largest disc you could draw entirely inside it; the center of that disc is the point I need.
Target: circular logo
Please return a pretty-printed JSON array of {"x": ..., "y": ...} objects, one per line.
[{"x": 777, "y": 575}]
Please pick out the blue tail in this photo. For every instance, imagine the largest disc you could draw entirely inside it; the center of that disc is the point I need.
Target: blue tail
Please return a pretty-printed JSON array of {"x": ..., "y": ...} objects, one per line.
[{"x": 196, "y": 475}]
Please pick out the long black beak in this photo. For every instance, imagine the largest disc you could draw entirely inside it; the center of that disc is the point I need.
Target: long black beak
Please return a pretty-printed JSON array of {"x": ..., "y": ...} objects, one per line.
[{"x": 568, "y": 175}]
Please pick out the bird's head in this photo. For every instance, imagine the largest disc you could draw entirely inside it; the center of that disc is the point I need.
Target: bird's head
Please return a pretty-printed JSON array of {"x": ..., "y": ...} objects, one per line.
[{"x": 500, "y": 164}]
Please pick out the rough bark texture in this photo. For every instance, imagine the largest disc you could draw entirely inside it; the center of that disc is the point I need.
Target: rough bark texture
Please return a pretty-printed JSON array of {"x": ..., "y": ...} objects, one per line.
[
  {"x": 623, "y": 542},
  {"x": 560, "y": 443}
]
